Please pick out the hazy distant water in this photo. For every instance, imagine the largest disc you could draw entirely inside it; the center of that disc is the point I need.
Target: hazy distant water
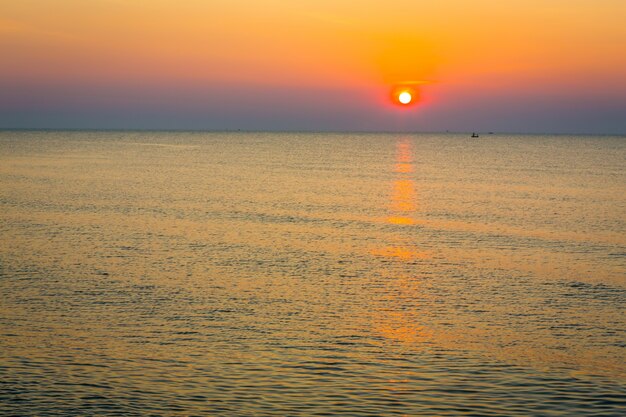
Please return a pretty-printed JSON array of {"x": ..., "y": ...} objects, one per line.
[{"x": 312, "y": 274}]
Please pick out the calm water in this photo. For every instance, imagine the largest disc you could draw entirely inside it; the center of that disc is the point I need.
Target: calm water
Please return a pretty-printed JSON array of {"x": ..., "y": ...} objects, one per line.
[{"x": 262, "y": 274}]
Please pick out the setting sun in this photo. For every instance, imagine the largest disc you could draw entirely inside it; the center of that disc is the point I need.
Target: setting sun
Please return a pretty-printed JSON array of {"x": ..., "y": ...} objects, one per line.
[{"x": 405, "y": 97}]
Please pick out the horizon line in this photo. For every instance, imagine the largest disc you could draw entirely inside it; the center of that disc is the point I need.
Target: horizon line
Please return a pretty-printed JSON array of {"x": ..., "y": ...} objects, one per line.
[{"x": 337, "y": 131}]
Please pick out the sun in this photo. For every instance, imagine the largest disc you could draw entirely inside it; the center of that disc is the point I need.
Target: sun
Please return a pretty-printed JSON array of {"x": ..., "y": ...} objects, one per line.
[{"x": 405, "y": 97}]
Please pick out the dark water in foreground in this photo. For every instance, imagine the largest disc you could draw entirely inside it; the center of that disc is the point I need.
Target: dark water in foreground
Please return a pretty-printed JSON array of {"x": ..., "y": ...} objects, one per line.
[{"x": 311, "y": 274}]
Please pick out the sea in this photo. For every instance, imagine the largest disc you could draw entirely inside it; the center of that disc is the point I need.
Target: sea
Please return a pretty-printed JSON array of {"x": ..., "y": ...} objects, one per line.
[{"x": 312, "y": 274}]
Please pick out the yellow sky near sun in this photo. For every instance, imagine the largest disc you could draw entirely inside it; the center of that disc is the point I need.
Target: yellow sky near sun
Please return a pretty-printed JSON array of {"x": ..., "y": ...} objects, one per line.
[{"x": 316, "y": 43}]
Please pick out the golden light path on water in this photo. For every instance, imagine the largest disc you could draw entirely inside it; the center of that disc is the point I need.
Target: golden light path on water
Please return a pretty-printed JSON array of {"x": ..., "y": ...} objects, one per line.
[{"x": 402, "y": 324}]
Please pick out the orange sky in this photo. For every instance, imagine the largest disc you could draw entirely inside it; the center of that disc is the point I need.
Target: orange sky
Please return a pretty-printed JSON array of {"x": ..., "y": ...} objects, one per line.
[{"x": 481, "y": 50}]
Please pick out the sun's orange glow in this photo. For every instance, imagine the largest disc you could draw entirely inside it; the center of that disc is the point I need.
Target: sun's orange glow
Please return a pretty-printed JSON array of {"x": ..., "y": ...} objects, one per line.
[{"x": 405, "y": 97}]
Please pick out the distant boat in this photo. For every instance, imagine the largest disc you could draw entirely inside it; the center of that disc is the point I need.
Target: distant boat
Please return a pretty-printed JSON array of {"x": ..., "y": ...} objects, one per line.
[{"x": 475, "y": 135}]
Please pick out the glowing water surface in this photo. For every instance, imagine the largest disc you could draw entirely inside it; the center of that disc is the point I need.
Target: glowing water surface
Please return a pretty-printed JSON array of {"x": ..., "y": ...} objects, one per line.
[{"x": 311, "y": 274}]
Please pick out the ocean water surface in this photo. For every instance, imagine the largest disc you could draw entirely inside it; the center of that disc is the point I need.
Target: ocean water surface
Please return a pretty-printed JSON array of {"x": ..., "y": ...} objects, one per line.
[{"x": 287, "y": 274}]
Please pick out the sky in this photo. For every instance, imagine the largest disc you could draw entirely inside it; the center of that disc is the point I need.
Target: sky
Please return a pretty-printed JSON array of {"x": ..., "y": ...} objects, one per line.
[{"x": 553, "y": 66}]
